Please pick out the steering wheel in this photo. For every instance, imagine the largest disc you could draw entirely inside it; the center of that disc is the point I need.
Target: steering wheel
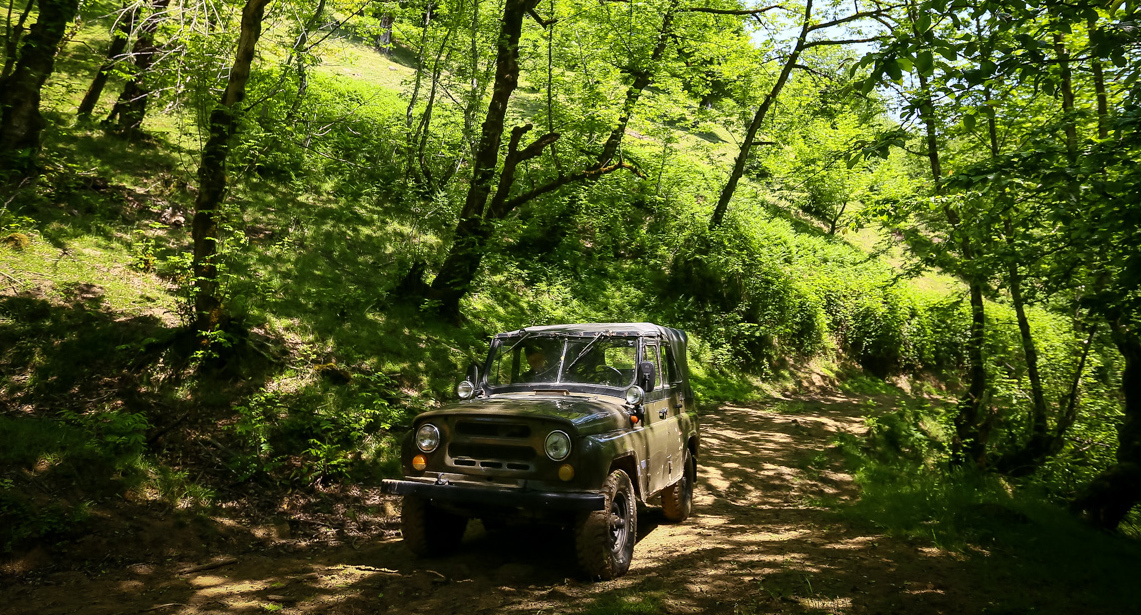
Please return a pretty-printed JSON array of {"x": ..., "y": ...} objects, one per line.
[{"x": 609, "y": 374}]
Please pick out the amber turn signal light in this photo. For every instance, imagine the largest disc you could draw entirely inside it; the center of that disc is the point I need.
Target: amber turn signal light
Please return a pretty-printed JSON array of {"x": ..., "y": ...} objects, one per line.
[
  {"x": 634, "y": 419},
  {"x": 566, "y": 471},
  {"x": 419, "y": 462}
]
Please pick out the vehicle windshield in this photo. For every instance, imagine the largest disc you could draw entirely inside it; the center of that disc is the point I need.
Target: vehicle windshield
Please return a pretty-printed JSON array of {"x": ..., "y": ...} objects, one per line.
[{"x": 597, "y": 360}]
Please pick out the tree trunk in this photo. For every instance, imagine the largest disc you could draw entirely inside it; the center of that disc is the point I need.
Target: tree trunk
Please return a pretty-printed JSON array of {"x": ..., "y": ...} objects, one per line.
[
  {"x": 12, "y": 41},
  {"x": 1069, "y": 121},
  {"x": 634, "y": 92},
  {"x": 127, "y": 115},
  {"x": 384, "y": 43},
  {"x": 1099, "y": 86},
  {"x": 1107, "y": 500},
  {"x": 119, "y": 39},
  {"x": 460, "y": 266},
  {"x": 758, "y": 119},
  {"x": 299, "y": 53},
  {"x": 209, "y": 311},
  {"x": 1027, "y": 459},
  {"x": 969, "y": 442},
  {"x": 458, "y": 271},
  {"x": 21, "y": 122},
  {"x": 419, "y": 68}
]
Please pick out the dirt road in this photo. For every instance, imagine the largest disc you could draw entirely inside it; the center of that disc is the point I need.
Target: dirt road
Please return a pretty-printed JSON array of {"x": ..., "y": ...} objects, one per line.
[{"x": 759, "y": 543}]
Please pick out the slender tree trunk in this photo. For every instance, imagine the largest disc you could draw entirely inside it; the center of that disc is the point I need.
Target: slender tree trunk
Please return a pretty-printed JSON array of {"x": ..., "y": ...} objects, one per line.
[
  {"x": 119, "y": 39},
  {"x": 127, "y": 115},
  {"x": 642, "y": 79},
  {"x": 208, "y": 306},
  {"x": 418, "y": 142},
  {"x": 474, "y": 228},
  {"x": 300, "y": 51},
  {"x": 1037, "y": 447},
  {"x": 419, "y": 67},
  {"x": 969, "y": 441},
  {"x": 460, "y": 266},
  {"x": 758, "y": 119},
  {"x": 1107, "y": 500},
  {"x": 1099, "y": 87},
  {"x": 384, "y": 45},
  {"x": 835, "y": 220},
  {"x": 21, "y": 122},
  {"x": 1069, "y": 122},
  {"x": 12, "y": 40}
]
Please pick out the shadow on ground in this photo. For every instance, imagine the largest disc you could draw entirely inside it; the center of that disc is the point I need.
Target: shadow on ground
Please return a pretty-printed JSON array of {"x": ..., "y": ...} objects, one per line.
[{"x": 760, "y": 543}]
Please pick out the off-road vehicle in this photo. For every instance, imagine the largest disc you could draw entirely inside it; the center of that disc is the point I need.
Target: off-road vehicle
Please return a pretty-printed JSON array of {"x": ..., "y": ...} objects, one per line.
[{"x": 566, "y": 424}]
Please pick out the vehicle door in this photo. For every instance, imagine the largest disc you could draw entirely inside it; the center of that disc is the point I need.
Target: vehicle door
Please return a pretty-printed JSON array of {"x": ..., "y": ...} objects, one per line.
[
  {"x": 663, "y": 437},
  {"x": 679, "y": 421}
]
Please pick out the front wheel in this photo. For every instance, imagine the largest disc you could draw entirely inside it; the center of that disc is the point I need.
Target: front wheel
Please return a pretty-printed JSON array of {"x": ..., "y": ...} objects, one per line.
[
  {"x": 427, "y": 530},
  {"x": 677, "y": 499},
  {"x": 604, "y": 539}
]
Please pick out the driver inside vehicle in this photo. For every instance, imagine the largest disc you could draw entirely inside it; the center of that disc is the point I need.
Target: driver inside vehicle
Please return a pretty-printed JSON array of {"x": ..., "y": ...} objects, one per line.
[{"x": 542, "y": 368}]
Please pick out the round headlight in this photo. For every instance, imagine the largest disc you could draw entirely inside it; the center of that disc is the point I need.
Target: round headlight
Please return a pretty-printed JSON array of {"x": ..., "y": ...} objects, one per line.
[
  {"x": 557, "y": 446},
  {"x": 465, "y": 389},
  {"x": 635, "y": 395},
  {"x": 427, "y": 437}
]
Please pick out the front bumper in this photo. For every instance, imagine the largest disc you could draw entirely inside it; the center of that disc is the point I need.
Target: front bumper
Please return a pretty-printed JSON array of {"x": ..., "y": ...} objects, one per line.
[{"x": 499, "y": 497}]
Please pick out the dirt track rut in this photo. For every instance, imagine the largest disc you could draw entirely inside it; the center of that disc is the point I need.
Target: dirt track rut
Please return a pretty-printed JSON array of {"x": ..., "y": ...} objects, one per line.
[{"x": 759, "y": 543}]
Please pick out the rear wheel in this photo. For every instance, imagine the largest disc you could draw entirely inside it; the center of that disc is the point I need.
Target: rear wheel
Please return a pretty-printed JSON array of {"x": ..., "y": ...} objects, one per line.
[
  {"x": 677, "y": 499},
  {"x": 427, "y": 530},
  {"x": 604, "y": 539}
]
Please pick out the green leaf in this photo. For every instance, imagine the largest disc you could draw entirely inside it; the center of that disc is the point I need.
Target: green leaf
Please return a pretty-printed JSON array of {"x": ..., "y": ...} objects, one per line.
[
  {"x": 923, "y": 24},
  {"x": 925, "y": 62},
  {"x": 892, "y": 68},
  {"x": 969, "y": 121}
]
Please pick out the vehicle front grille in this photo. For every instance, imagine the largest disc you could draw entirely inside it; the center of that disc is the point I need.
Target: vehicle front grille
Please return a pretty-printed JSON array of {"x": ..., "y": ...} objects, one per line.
[
  {"x": 494, "y": 444},
  {"x": 493, "y": 430},
  {"x": 489, "y": 452}
]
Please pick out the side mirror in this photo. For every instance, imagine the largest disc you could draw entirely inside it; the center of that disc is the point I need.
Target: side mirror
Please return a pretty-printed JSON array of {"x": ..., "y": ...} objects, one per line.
[{"x": 647, "y": 375}]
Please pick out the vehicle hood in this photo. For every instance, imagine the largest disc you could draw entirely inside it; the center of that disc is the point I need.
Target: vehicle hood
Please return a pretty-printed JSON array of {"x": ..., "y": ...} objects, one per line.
[{"x": 587, "y": 414}]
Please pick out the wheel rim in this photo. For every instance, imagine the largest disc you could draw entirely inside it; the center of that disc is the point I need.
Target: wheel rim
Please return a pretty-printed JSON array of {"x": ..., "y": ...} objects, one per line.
[
  {"x": 619, "y": 522},
  {"x": 687, "y": 482}
]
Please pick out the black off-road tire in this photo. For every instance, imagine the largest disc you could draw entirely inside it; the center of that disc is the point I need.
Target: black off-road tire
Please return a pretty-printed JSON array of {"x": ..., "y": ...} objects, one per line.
[
  {"x": 604, "y": 539},
  {"x": 427, "y": 530},
  {"x": 677, "y": 499}
]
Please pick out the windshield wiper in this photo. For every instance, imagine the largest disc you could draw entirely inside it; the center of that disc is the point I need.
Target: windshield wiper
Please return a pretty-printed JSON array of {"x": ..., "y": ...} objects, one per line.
[
  {"x": 525, "y": 336},
  {"x": 582, "y": 353}
]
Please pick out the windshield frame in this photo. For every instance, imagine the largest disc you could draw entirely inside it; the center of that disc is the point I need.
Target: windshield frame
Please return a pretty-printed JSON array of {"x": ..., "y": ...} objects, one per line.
[{"x": 507, "y": 341}]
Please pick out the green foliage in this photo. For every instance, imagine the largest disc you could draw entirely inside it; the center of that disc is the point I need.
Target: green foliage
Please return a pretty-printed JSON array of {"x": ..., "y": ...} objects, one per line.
[
  {"x": 23, "y": 521},
  {"x": 324, "y": 431}
]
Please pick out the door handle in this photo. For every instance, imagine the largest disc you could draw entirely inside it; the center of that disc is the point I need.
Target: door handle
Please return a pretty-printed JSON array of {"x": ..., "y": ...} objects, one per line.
[{"x": 662, "y": 413}]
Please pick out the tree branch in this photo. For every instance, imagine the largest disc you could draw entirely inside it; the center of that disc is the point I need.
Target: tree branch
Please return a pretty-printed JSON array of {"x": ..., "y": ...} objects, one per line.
[
  {"x": 846, "y": 41},
  {"x": 748, "y": 12},
  {"x": 542, "y": 22},
  {"x": 853, "y": 17},
  {"x": 590, "y": 173}
]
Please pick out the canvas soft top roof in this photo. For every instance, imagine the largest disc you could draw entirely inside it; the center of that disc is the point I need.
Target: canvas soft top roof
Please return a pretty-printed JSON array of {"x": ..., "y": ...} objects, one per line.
[
  {"x": 676, "y": 338},
  {"x": 595, "y": 328}
]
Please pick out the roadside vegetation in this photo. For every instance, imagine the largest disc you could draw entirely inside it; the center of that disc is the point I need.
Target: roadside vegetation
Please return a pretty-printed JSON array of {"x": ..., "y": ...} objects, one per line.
[{"x": 280, "y": 230}]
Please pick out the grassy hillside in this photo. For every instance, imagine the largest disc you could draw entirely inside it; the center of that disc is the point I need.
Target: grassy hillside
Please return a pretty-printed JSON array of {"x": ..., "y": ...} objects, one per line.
[{"x": 105, "y": 392}]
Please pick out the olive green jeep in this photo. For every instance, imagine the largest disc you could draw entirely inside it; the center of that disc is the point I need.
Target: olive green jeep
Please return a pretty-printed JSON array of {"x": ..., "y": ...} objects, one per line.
[{"x": 567, "y": 424}]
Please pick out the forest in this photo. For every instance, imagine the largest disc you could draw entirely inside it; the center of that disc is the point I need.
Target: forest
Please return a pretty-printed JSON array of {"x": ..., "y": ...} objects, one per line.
[{"x": 244, "y": 242}]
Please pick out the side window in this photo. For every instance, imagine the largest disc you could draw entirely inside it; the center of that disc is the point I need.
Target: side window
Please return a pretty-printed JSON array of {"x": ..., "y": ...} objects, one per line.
[
  {"x": 504, "y": 368},
  {"x": 653, "y": 356},
  {"x": 670, "y": 365}
]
